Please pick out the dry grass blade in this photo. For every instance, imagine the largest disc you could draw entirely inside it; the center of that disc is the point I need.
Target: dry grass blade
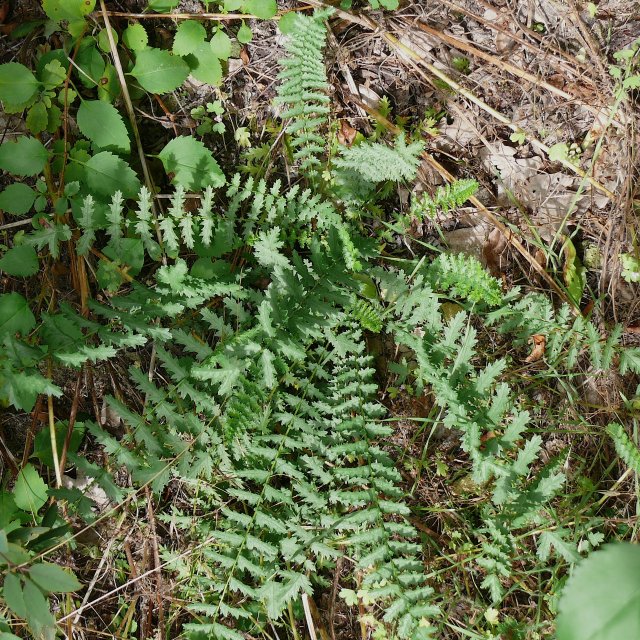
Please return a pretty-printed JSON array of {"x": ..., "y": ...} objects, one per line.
[{"x": 501, "y": 64}]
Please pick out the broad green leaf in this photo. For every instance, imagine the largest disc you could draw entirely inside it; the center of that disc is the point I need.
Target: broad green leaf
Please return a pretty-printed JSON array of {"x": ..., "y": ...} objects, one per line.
[
  {"x": 205, "y": 65},
  {"x": 221, "y": 45},
  {"x": 109, "y": 86},
  {"x": 191, "y": 163},
  {"x": 15, "y": 315},
  {"x": 37, "y": 118},
  {"x": 17, "y": 199},
  {"x": 42, "y": 443},
  {"x": 106, "y": 174},
  {"x": 50, "y": 577},
  {"x": 103, "y": 125},
  {"x": 135, "y": 37},
  {"x": 39, "y": 617},
  {"x": 287, "y": 25},
  {"x": 162, "y": 6},
  {"x": 601, "y": 599},
  {"x": 17, "y": 83},
  {"x": 158, "y": 71},
  {"x": 30, "y": 492},
  {"x": 91, "y": 63},
  {"x": 13, "y": 596},
  {"x": 190, "y": 34},
  {"x": 244, "y": 33},
  {"x": 59, "y": 10},
  {"x": 23, "y": 157},
  {"x": 261, "y": 8},
  {"x": 20, "y": 261}
]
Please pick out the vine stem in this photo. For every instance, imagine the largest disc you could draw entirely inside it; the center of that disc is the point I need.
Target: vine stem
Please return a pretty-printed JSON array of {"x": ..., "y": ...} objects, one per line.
[
  {"x": 132, "y": 118},
  {"x": 52, "y": 434}
]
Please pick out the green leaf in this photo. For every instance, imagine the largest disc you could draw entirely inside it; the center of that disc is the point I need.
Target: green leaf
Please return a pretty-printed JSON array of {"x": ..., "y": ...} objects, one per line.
[
  {"x": 287, "y": 25},
  {"x": 39, "y": 618},
  {"x": 158, "y": 71},
  {"x": 13, "y": 596},
  {"x": 17, "y": 83},
  {"x": 190, "y": 34},
  {"x": 191, "y": 163},
  {"x": 244, "y": 33},
  {"x": 205, "y": 65},
  {"x": 278, "y": 594},
  {"x": 50, "y": 577},
  {"x": 559, "y": 152},
  {"x": 129, "y": 251},
  {"x": 15, "y": 315},
  {"x": 30, "y": 492},
  {"x": 42, "y": 443},
  {"x": 109, "y": 86},
  {"x": 59, "y": 10},
  {"x": 37, "y": 118},
  {"x": 163, "y": 5},
  {"x": 17, "y": 199},
  {"x": 601, "y": 599},
  {"x": 20, "y": 261},
  {"x": 135, "y": 37},
  {"x": 106, "y": 174},
  {"x": 53, "y": 74},
  {"x": 221, "y": 45},
  {"x": 91, "y": 62},
  {"x": 23, "y": 157},
  {"x": 103, "y": 125},
  {"x": 103, "y": 39},
  {"x": 261, "y": 8},
  {"x": 575, "y": 276}
]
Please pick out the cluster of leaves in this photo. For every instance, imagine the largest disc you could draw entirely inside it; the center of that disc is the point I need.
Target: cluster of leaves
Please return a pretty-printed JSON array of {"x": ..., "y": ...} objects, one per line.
[{"x": 258, "y": 302}]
